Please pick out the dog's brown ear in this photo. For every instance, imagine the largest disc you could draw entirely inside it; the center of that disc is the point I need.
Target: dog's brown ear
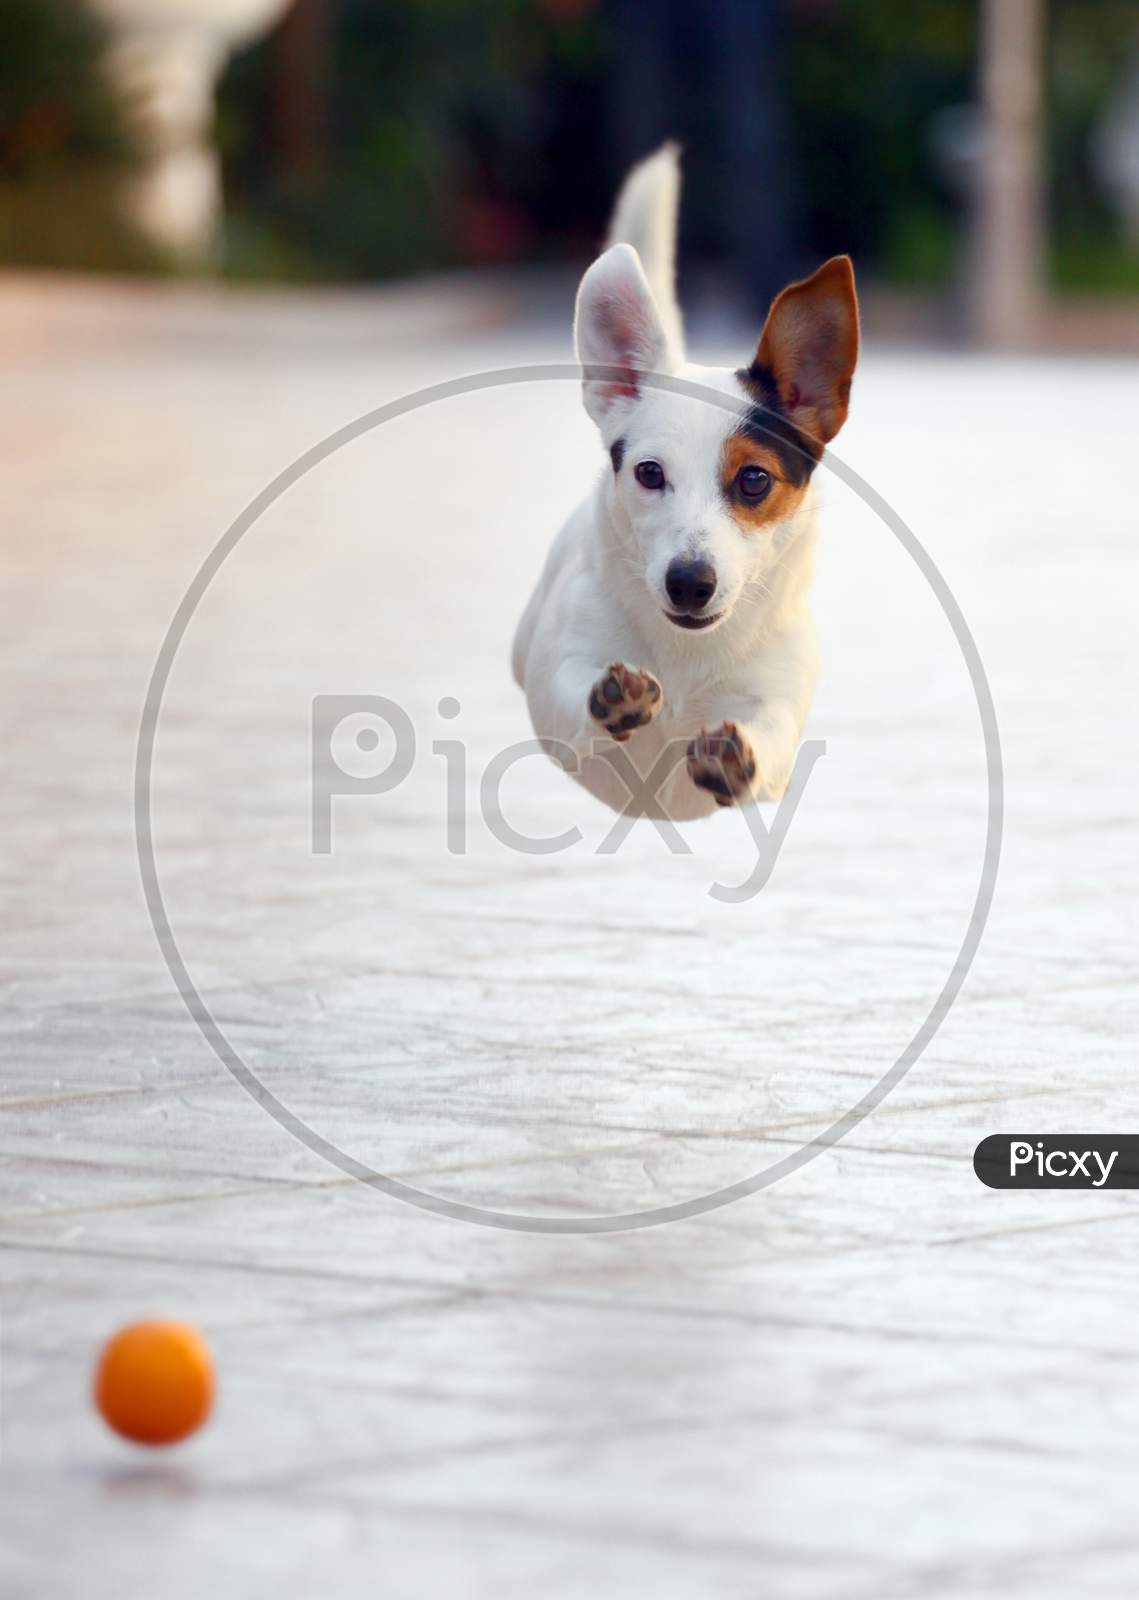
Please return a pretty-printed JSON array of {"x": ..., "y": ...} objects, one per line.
[{"x": 809, "y": 344}]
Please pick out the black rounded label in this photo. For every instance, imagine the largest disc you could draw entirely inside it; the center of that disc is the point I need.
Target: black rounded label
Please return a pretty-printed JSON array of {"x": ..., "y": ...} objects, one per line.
[{"x": 1058, "y": 1161}]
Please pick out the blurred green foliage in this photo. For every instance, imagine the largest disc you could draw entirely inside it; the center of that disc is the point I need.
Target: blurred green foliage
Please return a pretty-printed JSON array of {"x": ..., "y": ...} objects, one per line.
[
  {"x": 53, "y": 104},
  {"x": 441, "y": 126},
  {"x": 462, "y": 130},
  {"x": 441, "y": 132},
  {"x": 1089, "y": 46},
  {"x": 63, "y": 144},
  {"x": 865, "y": 80}
]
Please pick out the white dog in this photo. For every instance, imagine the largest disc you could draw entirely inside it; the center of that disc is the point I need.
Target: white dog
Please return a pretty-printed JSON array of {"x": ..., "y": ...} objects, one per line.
[{"x": 672, "y": 611}]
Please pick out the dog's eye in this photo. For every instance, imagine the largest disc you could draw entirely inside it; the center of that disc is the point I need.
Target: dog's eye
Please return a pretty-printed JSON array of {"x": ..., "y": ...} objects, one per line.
[
  {"x": 753, "y": 483},
  {"x": 649, "y": 474}
]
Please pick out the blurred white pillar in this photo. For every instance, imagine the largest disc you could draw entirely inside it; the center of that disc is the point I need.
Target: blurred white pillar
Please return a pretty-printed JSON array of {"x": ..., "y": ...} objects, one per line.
[
  {"x": 164, "y": 60},
  {"x": 1007, "y": 271}
]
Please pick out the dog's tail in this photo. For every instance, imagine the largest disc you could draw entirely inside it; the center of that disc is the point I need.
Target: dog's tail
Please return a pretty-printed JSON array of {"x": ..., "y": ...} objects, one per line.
[{"x": 645, "y": 217}]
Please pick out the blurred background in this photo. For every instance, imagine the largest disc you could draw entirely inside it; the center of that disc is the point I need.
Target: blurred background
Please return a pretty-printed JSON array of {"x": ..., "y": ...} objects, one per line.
[{"x": 979, "y": 160}]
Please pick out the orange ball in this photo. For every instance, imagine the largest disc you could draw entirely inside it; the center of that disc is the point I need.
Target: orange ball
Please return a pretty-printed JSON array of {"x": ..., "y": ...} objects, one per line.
[{"x": 155, "y": 1382}]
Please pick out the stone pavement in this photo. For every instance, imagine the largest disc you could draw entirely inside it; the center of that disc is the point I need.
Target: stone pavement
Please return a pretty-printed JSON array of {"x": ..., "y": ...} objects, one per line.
[{"x": 874, "y": 1378}]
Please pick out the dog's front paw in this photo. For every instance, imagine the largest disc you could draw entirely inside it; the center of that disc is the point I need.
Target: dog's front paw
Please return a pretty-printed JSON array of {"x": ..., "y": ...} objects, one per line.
[
  {"x": 722, "y": 762},
  {"x": 623, "y": 699}
]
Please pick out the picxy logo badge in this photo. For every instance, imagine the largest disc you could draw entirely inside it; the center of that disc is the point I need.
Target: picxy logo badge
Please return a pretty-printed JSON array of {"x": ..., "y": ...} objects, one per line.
[{"x": 1058, "y": 1161}]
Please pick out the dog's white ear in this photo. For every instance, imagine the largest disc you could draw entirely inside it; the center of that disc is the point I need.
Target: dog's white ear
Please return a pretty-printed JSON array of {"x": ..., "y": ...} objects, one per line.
[
  {"x": 809, "y": 345},
  {"x": 617, "y": 327}
]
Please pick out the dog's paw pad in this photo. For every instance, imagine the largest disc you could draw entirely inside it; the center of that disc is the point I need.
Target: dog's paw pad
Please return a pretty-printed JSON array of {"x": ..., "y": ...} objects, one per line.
[
  {"x": 623, "y": 699},
  {"x": 722, "y": 762}
]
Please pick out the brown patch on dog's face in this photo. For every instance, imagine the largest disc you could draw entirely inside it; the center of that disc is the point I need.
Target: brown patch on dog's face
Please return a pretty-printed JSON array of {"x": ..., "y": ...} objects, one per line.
[{"x": 741, "y": 460}]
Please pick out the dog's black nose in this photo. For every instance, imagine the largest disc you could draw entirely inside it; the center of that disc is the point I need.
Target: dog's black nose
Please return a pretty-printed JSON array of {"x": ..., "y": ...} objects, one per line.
[{"x": 690, "y": 584}]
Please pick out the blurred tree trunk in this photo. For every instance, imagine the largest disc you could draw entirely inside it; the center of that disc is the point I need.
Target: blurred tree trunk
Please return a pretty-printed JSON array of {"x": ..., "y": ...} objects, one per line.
[
  {"x": 301, "y": 61},
  {"x": 1006, "y": 287}
]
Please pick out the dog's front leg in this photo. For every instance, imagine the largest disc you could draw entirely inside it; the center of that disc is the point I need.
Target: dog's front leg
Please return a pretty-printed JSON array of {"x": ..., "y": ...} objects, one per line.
[
  {"x": 624, "y": 699},
  {"x": 746, "y": 747},
  {"x": 744, "y": 758},
  {"x": 579, "y": 701}
]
